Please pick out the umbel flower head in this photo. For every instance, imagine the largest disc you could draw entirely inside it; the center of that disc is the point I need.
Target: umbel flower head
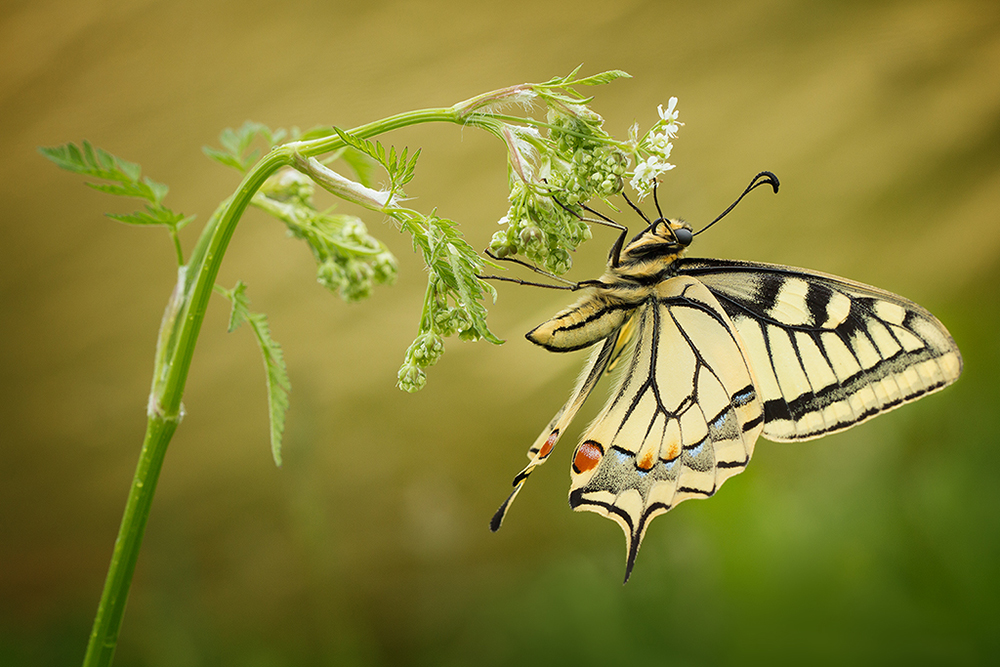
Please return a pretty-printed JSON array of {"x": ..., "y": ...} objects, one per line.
[
  {"x": 574, "y": 162},
  {"x": 555, "y": 166}
]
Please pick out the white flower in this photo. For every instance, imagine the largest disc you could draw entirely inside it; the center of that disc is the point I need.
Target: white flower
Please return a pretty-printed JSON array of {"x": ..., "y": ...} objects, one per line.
[
  {"x": 668, "y": 118},
  {"x": 633, "y": 134},
  {"x": 670, "y": 115},
  {"x": 660, "y": 144},
  {"x": 646, "y": 172}
]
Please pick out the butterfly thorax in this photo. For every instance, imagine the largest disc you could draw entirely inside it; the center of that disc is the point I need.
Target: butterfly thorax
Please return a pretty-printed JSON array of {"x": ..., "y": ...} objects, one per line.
[{"x": 630, "y": 279}]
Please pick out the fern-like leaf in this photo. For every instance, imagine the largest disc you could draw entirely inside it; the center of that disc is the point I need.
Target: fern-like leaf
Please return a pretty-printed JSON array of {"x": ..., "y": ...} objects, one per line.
[
  {"x": 278, "y": 384},
  {"x": 123, "y": 179},
  {"x": 236, "y": 152}
]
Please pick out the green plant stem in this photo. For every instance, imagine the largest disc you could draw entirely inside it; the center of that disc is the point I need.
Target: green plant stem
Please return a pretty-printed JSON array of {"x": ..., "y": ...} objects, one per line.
[
  {"x": 177, "y": 246},
  {"x": 104, "y": 635},
  {"x": 175, "y": 349}
]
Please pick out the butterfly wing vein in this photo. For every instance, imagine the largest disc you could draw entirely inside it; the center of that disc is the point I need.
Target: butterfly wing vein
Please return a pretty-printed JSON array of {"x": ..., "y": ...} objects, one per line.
[
  {"x": 683, "y": 418},
  {"x": 828, "y": 353}
]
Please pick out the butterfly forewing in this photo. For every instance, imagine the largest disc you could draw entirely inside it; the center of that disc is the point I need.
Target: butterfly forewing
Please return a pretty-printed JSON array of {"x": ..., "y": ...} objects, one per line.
[
  {"x": 683, "y": 419},
  {"x": 828, "y": 353}
]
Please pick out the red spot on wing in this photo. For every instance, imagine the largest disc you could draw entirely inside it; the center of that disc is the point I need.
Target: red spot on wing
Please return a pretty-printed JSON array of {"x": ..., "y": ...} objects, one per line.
[
  {"x": 550, "y": 442},
  {"x": 587, "y": 456},
  {"x": 673, "y": 451},
  {"x": 646, "y": 462}
]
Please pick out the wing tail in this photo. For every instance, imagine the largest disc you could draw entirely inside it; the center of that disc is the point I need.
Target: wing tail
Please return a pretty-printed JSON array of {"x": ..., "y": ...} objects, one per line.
[
  {"x": 539, "y": 451},
  {"x": 683, "y": 420}
]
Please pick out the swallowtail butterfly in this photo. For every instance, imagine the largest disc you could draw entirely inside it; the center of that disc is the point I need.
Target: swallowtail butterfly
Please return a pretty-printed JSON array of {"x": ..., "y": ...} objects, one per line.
[{"x": 713, "y": 354}]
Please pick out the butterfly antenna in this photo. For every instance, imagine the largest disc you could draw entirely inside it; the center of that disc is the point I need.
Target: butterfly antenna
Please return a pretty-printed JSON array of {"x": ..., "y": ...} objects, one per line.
[
  {"x": 656, "y": 200},
  {"x": 763, "y": 178},
  {"x": 616, "y": 249},
  {"x": 651, "y": 224}
]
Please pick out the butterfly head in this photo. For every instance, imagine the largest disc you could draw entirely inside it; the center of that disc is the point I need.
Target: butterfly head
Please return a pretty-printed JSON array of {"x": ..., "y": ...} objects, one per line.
[{"x": 662, "y": 240}]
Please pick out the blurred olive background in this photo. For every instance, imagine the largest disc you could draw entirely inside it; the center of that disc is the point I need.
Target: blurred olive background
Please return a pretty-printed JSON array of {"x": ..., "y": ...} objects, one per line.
[{"x": 370, "y": 546}]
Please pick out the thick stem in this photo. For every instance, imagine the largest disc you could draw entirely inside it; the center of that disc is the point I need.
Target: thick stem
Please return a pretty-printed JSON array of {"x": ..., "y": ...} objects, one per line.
[{"x": 104, "y": 635}]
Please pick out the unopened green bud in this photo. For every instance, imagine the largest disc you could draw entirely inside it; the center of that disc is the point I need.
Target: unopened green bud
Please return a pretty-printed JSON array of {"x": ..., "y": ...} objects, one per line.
[
  {"x": 410, "y": 378},
  {"x": 427, "y": 349}
]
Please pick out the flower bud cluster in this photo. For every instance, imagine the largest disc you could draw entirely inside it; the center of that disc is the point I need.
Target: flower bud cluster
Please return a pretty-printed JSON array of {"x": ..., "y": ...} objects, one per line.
[
  {"x": 411, "y": 377},
  {"x": 577, "y": 162},
  {"x": 441, "y": 319},
  {"x": 289, "y": 185},
  {"x": 350, "y": 261}
]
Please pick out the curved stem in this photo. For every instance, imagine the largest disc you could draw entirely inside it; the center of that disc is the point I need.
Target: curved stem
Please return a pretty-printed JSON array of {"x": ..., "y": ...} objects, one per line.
[{"x": 175, "y": 348}]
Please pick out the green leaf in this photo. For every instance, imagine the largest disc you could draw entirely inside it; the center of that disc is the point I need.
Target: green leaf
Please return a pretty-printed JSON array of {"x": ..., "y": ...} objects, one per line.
[
  {"x": 405, "y": 169},
  {"x": 236, "y": 144},
  {"x": 357, "y": 143},
  {"x": 124, "y": 179},
  {"x": 223, "y": 158},
  {"x": 158, "y": 190},
  {"x": 602, "y": 78},
  {"x": 241, "y": 304},
  {"x": 153, "y": 215},
  {"x": 101, "y": 164},
  {"x": 396, "y": 165},
  {"x": 278, "y": 384},
  {"x": 569, "y": 78}
]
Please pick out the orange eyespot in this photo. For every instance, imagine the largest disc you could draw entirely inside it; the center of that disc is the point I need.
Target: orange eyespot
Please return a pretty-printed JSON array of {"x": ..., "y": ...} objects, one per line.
[
  {"x": 647, "y": 462},
  {"x": 587, "y": 456},
  {"x": 672, "y": 451},
  {"x": 550, "y": 442}
]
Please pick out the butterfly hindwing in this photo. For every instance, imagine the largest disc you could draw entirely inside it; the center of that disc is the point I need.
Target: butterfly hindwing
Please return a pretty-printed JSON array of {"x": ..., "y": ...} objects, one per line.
[
  {"x": 682, "y": 420},
  {"x": 828, "y": 352},
  {"x": 607, "y": 354}
]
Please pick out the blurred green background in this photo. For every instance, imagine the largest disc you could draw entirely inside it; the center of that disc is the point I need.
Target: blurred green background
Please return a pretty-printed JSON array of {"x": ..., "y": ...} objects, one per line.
[{"x": 370, "y": 546}]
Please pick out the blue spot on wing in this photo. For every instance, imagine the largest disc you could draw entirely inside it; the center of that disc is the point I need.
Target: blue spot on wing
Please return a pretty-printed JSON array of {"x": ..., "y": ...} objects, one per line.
[
  {"x": 623, "y": 456},
  {"x": 719, "y": 423},
  {"x": 744, "y": 396}
]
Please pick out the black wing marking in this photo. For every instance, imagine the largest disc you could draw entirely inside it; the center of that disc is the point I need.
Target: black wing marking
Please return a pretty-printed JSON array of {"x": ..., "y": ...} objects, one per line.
[
  {"x": 539, "y": 451},
  {"x": 828, "y": 353},
  {"x": 682, "y": 420}
]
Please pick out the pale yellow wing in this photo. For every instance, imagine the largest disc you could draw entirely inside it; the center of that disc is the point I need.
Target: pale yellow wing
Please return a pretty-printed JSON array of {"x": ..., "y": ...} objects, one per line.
[
  {"x": 602, "y": 357},
  {"x": 828, "y": 353},
  {"x": 683, "y": 419}
]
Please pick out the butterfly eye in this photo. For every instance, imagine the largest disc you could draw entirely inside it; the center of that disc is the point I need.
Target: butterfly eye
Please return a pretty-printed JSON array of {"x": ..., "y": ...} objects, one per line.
[{"x": 683, "y": 236}]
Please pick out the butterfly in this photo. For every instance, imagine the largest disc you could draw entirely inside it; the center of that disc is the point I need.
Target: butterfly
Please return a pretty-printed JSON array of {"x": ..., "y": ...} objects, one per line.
[{"x": 713, "y": 354}]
